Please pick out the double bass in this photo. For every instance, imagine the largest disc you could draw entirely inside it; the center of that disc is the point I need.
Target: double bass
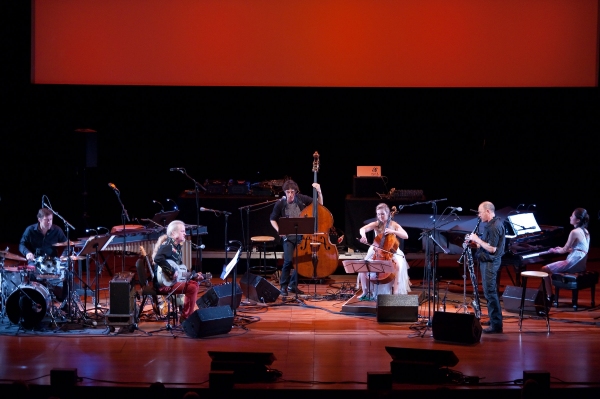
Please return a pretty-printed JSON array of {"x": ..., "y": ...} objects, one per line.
[{"x": 317, "y": 255}]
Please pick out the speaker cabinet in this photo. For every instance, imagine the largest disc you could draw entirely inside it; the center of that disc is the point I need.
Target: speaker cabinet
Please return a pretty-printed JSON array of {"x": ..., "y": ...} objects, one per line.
[
  {"x": 534, "y": 299},
  {"x": 397, "y": 308},
  {"x": 122, "y": 294},
  {"x": 220, "y": 295},
  {"x": 456, "y": 327},
  {"x": 420, "y": 365},
  {"x": 258, "y": 289},
  {"x": 209, "y": 321},
  {"x": 365, "y": 187}
]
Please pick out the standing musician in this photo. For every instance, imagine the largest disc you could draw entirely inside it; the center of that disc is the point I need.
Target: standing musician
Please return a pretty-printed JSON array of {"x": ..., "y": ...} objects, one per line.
[
  {"x": 290, "y": 206},
  {"x": 168, "y": 247},
  {"x": 386, "y": 230},
  {"x": 490, "y": 248},
  {"x": 39, "y": 239}
]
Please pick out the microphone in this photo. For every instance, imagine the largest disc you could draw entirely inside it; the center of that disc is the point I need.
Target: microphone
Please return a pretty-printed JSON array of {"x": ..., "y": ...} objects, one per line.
[
  {"x": 156, "y": 202},
  {"x": 102, "y": 227},
  {"x": 175, "y": 207},
  {"x": 531, "y": 206},
  {"x": 198, "y": 246},
  {"x": 203, "y": 209},
  {"x": 111, "y": 185},
  {"x": 90, "y": 230},
  {"x": 458, "y": 208},
  {"x": 177, "y": 170}
]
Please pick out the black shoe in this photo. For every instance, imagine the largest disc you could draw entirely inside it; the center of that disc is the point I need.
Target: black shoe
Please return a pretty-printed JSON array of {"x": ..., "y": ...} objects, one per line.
[
  {"x": 284, "y": 291},
  {"x": 486, "y": 323},
  {"x": 492, "y": 330},
  {"x": 296, "y": 290}
]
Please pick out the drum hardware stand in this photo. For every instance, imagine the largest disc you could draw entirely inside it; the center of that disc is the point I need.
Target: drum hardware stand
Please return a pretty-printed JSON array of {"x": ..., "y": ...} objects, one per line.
[
  {"x": 71, "y": 302},
  {"x": 263, "y": 205}
]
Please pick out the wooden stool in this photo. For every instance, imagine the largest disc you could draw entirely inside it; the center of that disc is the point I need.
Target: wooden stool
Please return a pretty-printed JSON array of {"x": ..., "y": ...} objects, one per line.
[
  {"x": 524, "y": 276},
  {"x": 575, "y": 282},
  {"x": 263, "y": 269}
]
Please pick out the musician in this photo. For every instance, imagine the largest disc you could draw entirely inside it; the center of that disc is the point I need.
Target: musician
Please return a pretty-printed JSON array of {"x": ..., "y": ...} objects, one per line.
[
  {"x": 490, "y": 247},
  {"x": 38, "y": 239},
  {"x": 577, "y": 246},
  {"x": 382, "y": 226},
  {"x": 290, "y": 206},
  {"x": 169, "y": 247}
]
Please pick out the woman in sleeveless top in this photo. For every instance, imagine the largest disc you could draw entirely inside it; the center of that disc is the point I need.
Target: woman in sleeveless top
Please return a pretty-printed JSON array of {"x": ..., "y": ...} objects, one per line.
[
  {"x": 401, "y": 283},
  {"x": 577, "y": 247}
]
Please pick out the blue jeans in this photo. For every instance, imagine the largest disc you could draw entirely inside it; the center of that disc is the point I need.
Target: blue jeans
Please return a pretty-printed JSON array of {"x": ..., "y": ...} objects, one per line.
[
  {"x": 489, "y": 275},
  {"x": 289, "y": 276}
]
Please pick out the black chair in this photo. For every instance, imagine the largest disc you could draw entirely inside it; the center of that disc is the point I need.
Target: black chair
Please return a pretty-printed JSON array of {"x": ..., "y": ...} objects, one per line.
[{"x": 148, "y": 291}]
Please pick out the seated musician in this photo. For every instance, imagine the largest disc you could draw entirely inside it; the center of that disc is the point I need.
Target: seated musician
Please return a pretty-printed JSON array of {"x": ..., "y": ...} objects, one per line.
[
  {"x": 170, "y": 280},
  {"x": 577, "y": 246},
  {"x": 384, "y": 225},
  {"x": 39, "y": 238}
]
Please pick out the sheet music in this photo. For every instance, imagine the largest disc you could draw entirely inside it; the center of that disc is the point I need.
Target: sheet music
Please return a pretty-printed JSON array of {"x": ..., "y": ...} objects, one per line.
[{"x": 231, "y": 264}]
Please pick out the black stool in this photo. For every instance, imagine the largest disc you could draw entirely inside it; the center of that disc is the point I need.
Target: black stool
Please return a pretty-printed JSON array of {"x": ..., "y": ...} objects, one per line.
[
  {"x": 263, "y": 269},
  {"x": 576, "y": 282},
  {"x": 524, "y": 276}
]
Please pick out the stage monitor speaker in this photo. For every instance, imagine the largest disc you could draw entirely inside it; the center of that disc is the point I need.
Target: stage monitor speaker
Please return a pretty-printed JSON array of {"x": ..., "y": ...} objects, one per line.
[
  {"x": 420, "y": 365},
  {"x": 534, "y": 300},
  {"x": 122, "y": 294},
  {"x": 459, "y": 328},
  {"x": 220, "y": 295},
  {"x": 209, "y": 321},
  {"x": 397, "y": 308},
  {"x": 259, "y": 289}
]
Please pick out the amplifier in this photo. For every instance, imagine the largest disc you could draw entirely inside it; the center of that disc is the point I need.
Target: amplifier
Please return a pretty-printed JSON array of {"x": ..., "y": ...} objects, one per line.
[{"x": 122, "y": 294}]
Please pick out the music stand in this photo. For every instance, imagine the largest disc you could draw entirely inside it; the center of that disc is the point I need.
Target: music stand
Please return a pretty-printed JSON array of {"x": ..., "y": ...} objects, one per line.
[
  {"x": 296, "y": 226},
  {"x": 164, "y": 218},
  {"x": 94, "y": 245},
  {"x": 368, "y": 266}
]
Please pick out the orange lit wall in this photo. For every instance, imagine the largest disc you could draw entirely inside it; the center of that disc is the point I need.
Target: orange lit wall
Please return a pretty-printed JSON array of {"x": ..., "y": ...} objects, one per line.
[{"x": 350, "y": 43}]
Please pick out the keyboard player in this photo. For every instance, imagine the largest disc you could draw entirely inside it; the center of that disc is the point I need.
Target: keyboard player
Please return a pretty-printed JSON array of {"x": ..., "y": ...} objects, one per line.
[{"x": 577, "y": 246}]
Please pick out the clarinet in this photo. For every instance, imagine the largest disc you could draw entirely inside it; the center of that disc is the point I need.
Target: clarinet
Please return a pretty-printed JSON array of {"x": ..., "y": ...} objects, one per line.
[{"x": 467, "y": 250}]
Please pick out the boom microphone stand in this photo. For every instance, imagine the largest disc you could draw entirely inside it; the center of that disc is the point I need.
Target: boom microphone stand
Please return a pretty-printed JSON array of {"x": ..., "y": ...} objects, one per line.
[
  {"x": 124, "y": 218},
  {"x": 199, "y": 246}
]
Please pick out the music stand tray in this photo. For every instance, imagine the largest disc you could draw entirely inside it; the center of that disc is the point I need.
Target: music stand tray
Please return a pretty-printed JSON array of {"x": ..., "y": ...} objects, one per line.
[
  {"x": 368, "y": 266},
  {"x": 94, "y": 242},
  {"x": 292, "y": 226},
  {"x": 164, "y": 218}
]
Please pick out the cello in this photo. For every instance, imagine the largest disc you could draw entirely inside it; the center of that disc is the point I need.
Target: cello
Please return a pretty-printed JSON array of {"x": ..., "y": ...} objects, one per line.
[
  {"x": 317, "y": 255},
  {"x": 385, "y": 246}
]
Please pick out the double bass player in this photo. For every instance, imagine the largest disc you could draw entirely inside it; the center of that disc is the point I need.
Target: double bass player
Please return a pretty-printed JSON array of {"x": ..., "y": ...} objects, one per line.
[{"x": 291, "y": 205}]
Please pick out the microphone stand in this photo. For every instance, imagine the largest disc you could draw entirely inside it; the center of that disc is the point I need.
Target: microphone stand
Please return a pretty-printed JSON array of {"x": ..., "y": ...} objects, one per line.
[
  {"x": 247, "y": 241},
  {"x": 199, "y": 246},
  {"x": 124, "y": 219}
]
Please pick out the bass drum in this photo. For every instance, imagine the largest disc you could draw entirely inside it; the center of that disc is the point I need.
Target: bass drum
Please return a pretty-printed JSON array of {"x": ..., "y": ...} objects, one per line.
[{"x": 28, "y": 305}]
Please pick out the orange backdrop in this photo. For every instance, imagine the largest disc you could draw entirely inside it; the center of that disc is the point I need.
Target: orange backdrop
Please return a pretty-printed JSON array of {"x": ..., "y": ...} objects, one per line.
[{"x": 350, "y": 43}]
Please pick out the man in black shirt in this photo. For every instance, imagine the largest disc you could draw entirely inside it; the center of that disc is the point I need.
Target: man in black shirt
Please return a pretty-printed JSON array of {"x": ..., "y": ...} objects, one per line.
[
  {"x": 291, "y": 205},
  {"x": 490, "y": 248},
  {"x": 38, "y": 239}
]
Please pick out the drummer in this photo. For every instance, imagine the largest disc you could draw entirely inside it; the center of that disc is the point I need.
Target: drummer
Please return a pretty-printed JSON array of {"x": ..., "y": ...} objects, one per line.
[{"x": 39, "y": 238}]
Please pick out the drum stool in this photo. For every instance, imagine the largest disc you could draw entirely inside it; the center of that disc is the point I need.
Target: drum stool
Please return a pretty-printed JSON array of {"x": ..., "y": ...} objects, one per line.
[
  {"x": 576, "y": 282},
  {"x": 524, "y": 276},
  {"x": 263, "y": 269}
]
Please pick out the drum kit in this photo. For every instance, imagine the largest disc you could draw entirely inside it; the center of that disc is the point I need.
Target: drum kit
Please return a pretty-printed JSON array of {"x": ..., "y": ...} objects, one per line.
[{"x": 29, "y": 293}]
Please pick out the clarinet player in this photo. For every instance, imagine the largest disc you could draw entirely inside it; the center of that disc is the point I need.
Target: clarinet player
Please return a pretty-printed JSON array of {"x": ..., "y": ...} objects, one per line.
[{"x": 490, "y": 247}]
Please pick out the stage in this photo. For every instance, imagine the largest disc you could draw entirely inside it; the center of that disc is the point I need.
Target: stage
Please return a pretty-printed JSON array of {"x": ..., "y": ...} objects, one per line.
[{"x": 317, "y": 347}]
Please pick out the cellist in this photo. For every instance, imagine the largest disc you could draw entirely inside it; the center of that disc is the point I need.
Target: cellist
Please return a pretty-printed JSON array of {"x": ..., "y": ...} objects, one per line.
[
  {"x": 386, "y": 231},
  {"x": 290, "y": 206}
]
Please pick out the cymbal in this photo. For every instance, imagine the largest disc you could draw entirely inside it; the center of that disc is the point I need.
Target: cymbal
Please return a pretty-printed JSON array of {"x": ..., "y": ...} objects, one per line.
[
  {"x": 8, "y": 255},
  {"x": 66, "y": 243}
]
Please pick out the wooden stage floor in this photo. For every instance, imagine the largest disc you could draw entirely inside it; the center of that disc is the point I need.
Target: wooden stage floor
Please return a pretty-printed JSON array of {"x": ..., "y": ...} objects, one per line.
[{"x": 318, "y": 349}]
